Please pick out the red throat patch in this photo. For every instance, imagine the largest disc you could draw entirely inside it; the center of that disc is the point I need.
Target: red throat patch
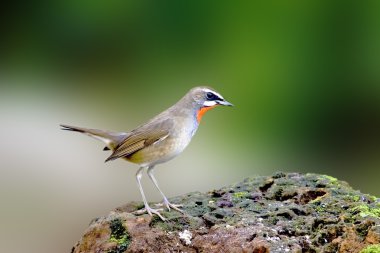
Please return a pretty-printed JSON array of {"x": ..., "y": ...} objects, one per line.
[{"x": 202, "y": 111}]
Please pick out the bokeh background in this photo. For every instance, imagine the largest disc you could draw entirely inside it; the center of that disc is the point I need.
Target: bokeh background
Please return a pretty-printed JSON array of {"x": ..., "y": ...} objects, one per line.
[{"x": 303, "y": 75}]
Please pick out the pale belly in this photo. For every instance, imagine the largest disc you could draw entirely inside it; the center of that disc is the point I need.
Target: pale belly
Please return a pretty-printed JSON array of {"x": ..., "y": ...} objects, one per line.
[{"x": 162, "y": 151}]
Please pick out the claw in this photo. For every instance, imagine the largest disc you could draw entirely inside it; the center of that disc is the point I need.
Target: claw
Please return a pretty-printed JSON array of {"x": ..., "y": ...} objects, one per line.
[
  {"x": 150, "y": 211},
  {"x": 170, "y": 205}
]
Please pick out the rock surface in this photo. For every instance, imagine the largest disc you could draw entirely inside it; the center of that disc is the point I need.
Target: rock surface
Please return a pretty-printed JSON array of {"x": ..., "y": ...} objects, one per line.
[{"x": 285, "y": 212}]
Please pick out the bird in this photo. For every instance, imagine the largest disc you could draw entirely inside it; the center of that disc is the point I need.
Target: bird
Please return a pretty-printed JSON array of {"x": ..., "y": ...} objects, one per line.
[{"x": 160, "y": 139}]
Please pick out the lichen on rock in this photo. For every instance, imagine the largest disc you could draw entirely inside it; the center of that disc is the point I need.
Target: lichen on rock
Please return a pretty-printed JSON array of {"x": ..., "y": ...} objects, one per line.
[
  {"x": 285, "y": 212},
  {"x": 119, "y": 235},
  {"x": 371, "y": 249}
]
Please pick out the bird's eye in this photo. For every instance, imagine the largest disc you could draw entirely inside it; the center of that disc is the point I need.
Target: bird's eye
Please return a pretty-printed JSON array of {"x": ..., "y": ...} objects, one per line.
[{"x": 210, "y": 95}]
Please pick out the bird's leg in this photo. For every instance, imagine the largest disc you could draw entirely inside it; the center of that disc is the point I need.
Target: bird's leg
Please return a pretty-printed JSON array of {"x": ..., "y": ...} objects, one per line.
[
  {"x": 148, "y": 209},
  {"x": 166, "y": 201}
]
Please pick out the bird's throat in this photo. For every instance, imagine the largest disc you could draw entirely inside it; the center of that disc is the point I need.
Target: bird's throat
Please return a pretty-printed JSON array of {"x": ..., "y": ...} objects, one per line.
[{"x": 202, "y": 111}]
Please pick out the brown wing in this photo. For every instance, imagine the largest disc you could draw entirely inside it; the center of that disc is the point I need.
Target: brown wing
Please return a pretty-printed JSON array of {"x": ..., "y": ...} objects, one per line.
[{"x": 139, "y": 139}]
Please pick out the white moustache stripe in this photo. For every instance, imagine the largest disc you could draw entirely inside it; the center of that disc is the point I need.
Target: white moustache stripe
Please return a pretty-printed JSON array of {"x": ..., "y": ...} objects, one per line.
[{"x": 209, "y": 103}]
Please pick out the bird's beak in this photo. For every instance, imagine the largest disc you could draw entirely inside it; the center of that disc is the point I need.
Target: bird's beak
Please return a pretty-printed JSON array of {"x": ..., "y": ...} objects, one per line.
[{"x": 224, "y": 102}]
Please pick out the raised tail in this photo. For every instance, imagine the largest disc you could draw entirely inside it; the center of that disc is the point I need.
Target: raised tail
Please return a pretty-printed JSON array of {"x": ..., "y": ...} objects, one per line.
[{"x": 111, "y": 139}]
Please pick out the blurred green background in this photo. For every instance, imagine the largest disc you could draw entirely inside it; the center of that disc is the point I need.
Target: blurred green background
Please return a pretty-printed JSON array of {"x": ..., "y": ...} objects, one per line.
[{"x": 303, "y": 75}]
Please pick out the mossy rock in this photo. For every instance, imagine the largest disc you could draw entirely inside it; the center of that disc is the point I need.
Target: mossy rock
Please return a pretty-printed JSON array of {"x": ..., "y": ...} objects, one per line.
[{"x": 285, "y": 212}]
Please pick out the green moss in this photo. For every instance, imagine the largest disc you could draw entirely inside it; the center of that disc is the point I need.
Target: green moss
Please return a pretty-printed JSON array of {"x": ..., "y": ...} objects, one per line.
[
  {"x": 332, "y": 180},
  {"x": 120, "y": 241},
  {"x": 365, "y": 211},
  {"x": 372, "y": 198},
  {"x": 240, "y": 195},
  {"x": 360, "y": 197},
  {"x": 320, "y": 208},
  {"x": 371, "y": 249},
  {"x": 175, "y": 221},
  {"x": 119, "y": 235},
  {"x": 352, "y": 197}
]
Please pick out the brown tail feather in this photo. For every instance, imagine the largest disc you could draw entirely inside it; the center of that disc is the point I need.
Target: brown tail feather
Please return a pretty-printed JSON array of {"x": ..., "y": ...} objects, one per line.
[{"x": 111, "y": 139}]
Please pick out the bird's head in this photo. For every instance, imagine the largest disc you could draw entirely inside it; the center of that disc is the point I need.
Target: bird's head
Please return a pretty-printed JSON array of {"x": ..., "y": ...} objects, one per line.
[{"x": 204, "y": 99}]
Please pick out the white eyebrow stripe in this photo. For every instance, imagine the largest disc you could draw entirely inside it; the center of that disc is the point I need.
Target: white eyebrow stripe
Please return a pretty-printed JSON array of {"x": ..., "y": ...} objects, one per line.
[{"x": 216, "y": 93}]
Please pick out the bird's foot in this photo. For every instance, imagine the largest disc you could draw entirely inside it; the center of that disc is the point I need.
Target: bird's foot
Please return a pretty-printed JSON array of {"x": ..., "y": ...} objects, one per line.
[
  {"x": 169, "y": 205},
  {"x": 150, "y": 211}
]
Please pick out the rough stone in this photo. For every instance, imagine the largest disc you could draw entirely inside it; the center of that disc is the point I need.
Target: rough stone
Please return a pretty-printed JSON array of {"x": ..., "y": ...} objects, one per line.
[{"x": 286, "y": 212}]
